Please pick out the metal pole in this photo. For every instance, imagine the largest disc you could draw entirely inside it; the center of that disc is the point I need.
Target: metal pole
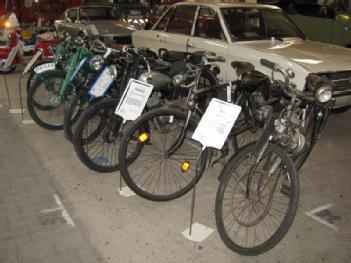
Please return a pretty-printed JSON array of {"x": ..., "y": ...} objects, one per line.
[
  {"x": 7, "y": 91},
  {"x": 194, "y": 191}
]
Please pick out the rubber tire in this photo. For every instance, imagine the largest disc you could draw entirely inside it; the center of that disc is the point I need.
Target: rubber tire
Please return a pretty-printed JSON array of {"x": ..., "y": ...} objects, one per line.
[
  {"x": 31, "y": 104},
  {"x": 68, "y": 122},
  {"x": 77, "y": 142},
  {"x": 129, "y": 131},
  {"x": 289, "y": 217},
  {"x": 32, "y": 74}
]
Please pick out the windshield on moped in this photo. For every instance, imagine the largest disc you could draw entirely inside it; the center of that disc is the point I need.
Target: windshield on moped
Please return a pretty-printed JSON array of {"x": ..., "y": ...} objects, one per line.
[{"x": 245, "y": 24}]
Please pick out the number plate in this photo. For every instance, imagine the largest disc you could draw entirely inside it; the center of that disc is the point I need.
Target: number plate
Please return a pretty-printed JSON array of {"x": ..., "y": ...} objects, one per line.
[
  {"x": 32, "y": 61},
  {"x": 103, "y": 82},
  {"x": 44, "y": 67},
  {"x": 133, "y": 100},
  {"x": 216, "y": 124}
]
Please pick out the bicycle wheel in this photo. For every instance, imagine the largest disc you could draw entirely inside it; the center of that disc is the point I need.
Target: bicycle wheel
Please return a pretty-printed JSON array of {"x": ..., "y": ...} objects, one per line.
[
  {"x": 96, "y": 137},
  {"x": 76, "y": 106},
  {"x": 164, "y": 168},
  {"x": 253, "y": 217},
  {"x": 32, "y": 78},
  {"x": 43, "y": 102}
]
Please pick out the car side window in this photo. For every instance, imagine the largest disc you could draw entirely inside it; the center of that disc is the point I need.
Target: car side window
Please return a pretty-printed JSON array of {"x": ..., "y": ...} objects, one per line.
[
  {"x": 72, "y": 14},
  {"x": 208, "y": 25},
  {"x": 164, "y": 21},
  {"x": 182, "y": 20}
]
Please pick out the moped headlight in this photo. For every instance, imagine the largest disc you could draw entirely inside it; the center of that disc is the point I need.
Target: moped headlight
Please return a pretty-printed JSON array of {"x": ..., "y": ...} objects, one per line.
[
  {"x": 96, "y": 62},
  {"x": 113, "y": 71},
  {"x": 178, "y": 79},
  {"x": 323, "y": 94},
  {"x": 144, "y": 77}
]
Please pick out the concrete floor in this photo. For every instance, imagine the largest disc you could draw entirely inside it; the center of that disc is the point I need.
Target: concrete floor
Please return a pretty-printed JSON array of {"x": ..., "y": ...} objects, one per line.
[{"x": 135, "y": 230}]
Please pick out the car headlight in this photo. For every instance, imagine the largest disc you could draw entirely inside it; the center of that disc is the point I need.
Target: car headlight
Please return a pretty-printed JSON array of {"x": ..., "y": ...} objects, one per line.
[
  {"x": 96, "y": 62},
  {"x": 178, "y": 79},
  {"x": 113, "y": 71},
  {"x": 323, "y": 94}
]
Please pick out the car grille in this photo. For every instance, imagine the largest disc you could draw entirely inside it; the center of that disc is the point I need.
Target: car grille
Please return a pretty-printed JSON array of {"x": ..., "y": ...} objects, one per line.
[
  {"x": 342, "y": 81},
  {"x": 123, "y": 40}
]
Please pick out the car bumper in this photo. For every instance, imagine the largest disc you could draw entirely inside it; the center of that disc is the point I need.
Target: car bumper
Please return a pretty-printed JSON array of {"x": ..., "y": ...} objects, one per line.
[{"x": 342, "y": 98}]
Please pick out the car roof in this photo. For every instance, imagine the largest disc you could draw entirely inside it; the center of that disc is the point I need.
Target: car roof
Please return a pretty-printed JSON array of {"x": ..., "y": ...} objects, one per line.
[{"x": 219, "y": 5}]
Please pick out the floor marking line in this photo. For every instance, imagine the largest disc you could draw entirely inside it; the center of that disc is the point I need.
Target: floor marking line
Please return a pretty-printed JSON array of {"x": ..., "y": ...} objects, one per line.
[
  {"x": 16, "y": 111},
  {"x": 313, "y": 215},
  {"x": 1, "y": 106},
  {"x": 28, "y": 122},
  {"x": 51, "y": 210}
]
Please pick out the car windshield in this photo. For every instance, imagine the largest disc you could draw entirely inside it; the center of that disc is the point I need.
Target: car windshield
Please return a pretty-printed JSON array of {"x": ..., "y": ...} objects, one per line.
[
  {"x": 246, "y": 24},
  {"x": 98, "y": 13}
]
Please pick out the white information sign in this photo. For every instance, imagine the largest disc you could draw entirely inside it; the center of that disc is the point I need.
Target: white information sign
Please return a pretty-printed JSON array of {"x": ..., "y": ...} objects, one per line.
[
  {"x": 134, "y": 99},
  {"x": 32, "y": 61},
  {"x": 216, "y": 124},
  {"x": 101, "y": 84},
  {"x": 44, "y": 67}
]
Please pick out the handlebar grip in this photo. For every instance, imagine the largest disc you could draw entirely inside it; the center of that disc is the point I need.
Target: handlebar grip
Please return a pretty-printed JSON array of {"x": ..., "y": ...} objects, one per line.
[{"x": 267, "y": 63}]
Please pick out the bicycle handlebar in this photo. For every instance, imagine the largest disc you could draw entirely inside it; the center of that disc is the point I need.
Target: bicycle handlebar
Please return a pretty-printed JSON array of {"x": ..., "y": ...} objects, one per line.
[{"x": 287, "y": 73}]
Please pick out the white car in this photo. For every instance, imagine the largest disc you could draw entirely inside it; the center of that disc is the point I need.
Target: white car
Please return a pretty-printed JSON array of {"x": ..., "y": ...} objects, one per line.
[{"x": 247, "y": 32}]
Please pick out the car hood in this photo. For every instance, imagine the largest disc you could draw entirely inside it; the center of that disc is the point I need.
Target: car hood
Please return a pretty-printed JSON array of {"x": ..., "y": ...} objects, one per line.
[
  {"x": 117, "y": 27},
  {"x": 314, "y": 57}
]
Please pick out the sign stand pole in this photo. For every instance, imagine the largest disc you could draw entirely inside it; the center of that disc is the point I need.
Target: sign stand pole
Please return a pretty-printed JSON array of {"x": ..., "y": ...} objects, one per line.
[
  {"x": 192, "y": 209},
  {"x": 20, "y": 94},
  {"x": 7, "y": 92}
]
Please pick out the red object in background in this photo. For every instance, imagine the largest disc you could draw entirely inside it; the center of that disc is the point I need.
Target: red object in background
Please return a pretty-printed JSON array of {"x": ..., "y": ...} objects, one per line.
[
  {"x": 158, "y": 12},
  {"x": 14, "y": 41},
  {"x": 45, "y": 10}
]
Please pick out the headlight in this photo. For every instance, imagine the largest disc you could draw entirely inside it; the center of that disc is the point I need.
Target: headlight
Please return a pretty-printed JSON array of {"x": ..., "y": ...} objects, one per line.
[
  {"x": 179, "y": 79},
  {"x": 144, "y": 77},
  {"x": 96, "y": 62},
  {"x": 323, "y": 94},
  {"x": 113, "y": 71}
]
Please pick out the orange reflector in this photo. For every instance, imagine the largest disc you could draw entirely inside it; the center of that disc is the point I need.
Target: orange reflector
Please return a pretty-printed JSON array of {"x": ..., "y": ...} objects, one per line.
[
  {"x": 143, "y": 137},
  {"x": 7, "y": 24},
  {"x": 185, "y": 166}
]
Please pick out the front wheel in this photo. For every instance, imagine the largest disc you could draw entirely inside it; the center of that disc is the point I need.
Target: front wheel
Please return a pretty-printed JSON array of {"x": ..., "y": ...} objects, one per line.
[
  {"x": 253, "y": 215},
  {"x": 97, "y": 136},
  {"x": 44, "y": 103},
  {"x": 158, "y": 159}
]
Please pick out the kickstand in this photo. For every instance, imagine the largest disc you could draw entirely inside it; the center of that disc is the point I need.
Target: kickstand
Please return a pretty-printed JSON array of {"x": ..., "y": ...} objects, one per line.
[
  {"x": 20, "y": 94},
  {"x": 7, "y": 91},
  {"x": 194, "y": 191}
]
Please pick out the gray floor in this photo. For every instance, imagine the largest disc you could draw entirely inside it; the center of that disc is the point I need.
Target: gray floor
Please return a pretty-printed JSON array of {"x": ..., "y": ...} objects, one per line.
[{"x": 131, "y": 229}]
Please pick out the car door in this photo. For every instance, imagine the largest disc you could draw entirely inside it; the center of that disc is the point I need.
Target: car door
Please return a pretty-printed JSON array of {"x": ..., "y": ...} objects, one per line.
[
  {"x": 209, "y": 36},
  {"x": 178, "y": 29}
]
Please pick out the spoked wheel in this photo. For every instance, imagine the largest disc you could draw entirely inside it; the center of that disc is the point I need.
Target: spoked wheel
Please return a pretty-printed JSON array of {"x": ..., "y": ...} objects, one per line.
[
  {"x": 164, "y": 168},
  {"x": 252, "y": 216},
  {"x": 44, "y": 103},
  {"x": 97, "y": 136},
  {"x": 76, "y": 106}
]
